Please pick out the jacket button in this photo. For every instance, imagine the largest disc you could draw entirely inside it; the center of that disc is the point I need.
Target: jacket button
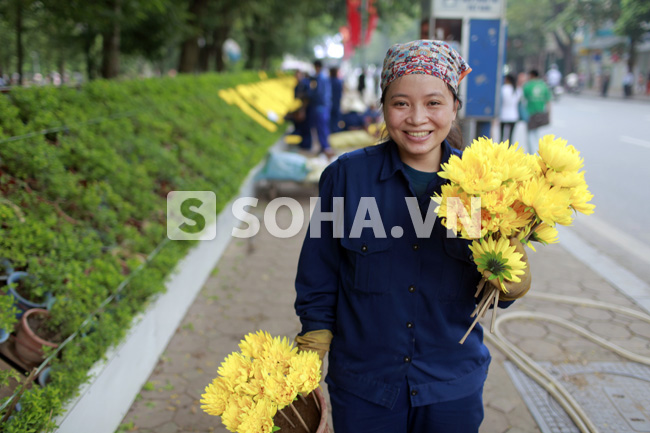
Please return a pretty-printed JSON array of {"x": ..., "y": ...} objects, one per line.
[
  {"x": 409, "y": 324},
  {"x": 416, "y": 247},
  {"x": 414, "y": 393},
  {"x": 407, "y": 359},
  {"x": 411, "y": 288},
  {"x": 364, "y": 248}
]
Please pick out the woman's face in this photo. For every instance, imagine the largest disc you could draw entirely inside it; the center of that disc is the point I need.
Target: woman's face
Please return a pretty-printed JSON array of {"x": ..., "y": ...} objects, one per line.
[{"x": 419, "y": 110}]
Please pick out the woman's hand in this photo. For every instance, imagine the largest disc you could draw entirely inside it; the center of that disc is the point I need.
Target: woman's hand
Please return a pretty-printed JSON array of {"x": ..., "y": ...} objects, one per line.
[{"x": 515, "y": 290}]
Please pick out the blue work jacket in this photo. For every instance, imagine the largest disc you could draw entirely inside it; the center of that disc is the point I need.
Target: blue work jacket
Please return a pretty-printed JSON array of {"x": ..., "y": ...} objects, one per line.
[
  {"x": 320, "y": 93},
  {"x": 396, "y": 305}
]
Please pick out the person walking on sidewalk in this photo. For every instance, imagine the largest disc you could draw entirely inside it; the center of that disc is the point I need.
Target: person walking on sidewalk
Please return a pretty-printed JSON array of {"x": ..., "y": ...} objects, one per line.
[
  {"x": 538, "y": 97},
  {"x": 320, "y": 99},
  {"x": 509, "y": 113},
  {"x": 391, "y": 308}
]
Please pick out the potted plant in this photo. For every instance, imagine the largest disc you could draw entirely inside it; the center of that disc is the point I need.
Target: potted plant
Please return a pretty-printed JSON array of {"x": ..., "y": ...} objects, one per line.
[
  {"x": 27, "y": 292},
  {"x": 33, "y": 334},
  {"x": 268, "y": 386},
  {"x": 7, "y": 316}
]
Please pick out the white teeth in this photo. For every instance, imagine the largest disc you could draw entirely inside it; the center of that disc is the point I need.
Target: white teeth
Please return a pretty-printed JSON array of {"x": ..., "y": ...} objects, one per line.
[{"x": 418, "y": 134}]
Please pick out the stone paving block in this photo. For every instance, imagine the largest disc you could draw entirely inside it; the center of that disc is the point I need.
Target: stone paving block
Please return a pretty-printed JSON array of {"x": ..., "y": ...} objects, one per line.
[
  {"x": 152, "y": 417},
  {"x": 503, "y": 404},
  {"x": 609, "y": 330},
  {"x": 539, "y": 349},
  {"x": 494, "y": 422},
  {"x": 528, "y": 328}
]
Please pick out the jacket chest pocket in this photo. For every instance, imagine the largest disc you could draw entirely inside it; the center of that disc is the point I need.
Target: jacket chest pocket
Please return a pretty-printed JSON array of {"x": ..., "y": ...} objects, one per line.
[{"x": 369, "y": 265}]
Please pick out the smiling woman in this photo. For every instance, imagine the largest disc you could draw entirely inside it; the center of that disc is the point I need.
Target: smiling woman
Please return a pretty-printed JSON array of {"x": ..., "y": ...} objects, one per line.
[
  {"x": 391, "y": 311},
  {"x": 418, "y": 122}
]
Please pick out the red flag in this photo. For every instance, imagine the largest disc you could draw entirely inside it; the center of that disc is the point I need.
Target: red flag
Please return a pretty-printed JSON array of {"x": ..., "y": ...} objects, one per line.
[
  {"x": 372, "y": 21},
  {"x": 354, "y": 21}
]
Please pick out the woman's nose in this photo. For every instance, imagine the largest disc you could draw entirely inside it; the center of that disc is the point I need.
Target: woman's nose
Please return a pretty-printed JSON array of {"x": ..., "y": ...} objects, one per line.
[{"x": 417, "y": 115}]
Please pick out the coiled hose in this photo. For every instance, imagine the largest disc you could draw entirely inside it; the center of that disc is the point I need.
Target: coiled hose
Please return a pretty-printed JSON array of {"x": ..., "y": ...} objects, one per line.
[{"x": 541, "y": 376}]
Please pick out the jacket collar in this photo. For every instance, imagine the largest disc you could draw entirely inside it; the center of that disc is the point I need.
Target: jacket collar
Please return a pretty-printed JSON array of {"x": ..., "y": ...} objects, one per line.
[{"x": 393, "y": 163}]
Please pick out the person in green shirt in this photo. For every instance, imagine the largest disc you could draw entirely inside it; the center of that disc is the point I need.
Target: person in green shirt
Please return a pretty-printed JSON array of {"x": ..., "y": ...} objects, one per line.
[{"x": 538, "y": 97}]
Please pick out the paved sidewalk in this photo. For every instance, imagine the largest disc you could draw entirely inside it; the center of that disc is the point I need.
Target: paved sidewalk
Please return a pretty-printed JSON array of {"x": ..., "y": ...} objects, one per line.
[{"x": 252, "y": 289}]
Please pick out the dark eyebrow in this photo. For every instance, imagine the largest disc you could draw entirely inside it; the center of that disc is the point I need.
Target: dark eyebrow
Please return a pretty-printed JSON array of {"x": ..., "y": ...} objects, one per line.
[{"x": 404, "y": 95}]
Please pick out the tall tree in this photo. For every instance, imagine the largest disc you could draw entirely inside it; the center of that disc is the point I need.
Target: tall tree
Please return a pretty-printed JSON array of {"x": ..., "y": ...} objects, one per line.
[
  {"x": 189, "y": 57},
  {"x": 633, "y": 22},
  {"x": 111, "y": 40}
]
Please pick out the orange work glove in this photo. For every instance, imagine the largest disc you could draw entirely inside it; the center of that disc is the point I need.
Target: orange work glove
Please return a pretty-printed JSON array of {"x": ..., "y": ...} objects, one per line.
[
  {"x": 317, "y": 341},
  {"x": 515, "y": 290}
]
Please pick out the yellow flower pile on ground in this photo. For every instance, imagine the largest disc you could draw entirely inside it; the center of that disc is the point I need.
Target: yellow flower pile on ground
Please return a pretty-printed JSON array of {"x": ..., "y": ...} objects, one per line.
[
  {"x": 266, "y": 101},
  {"x": 520, "y": 195},
  {"x": 254, "y": 384}
]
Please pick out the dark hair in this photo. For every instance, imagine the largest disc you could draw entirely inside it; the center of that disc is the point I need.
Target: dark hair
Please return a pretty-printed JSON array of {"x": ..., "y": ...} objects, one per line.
[
  {"x": 455, "y": 137},
  {"x": 318, "y": 64},
  {"x": 534, "y": 73},
  {"x": 511, "y": 79},
  {"x": 334, "y": 71}
]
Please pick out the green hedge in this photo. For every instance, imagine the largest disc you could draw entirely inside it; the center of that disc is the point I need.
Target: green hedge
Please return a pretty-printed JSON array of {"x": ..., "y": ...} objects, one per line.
[{"x": 84, "y": 175}]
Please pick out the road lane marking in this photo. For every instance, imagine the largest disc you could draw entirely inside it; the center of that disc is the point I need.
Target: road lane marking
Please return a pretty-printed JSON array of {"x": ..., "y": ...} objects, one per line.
[
  {"x": 630, "y": 244},
  {"x": 636, "y": 141}
]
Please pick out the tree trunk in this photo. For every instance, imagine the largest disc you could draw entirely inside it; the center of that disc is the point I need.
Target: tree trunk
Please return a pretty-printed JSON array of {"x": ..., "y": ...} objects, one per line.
[
  {"x": 88, "y": 45},
  {"x": 19, "y": 42},
  {"x": 111, "y": 44},
  {"x": 61, "y": 67},
  {"x": 631, "y": 60},
  {"x": 189, "y": 57},
  {"x": 205, "y": 53},
  {"x": 219, "y": 36}
]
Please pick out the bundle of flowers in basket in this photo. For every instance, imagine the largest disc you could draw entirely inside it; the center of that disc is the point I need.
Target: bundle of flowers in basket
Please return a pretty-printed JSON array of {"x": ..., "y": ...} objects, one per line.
[
  {"x": 500, "y": 192},
  {"x": 257, "y": 383}
]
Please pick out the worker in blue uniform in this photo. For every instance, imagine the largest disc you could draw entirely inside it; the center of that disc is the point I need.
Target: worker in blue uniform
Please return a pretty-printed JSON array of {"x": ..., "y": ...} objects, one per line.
[
  {"x": 320, "y": 102},
  {"x": 302, "y": 117},
  {"x": 386, "y": 293},
  {"x": 337, "y": 95}
]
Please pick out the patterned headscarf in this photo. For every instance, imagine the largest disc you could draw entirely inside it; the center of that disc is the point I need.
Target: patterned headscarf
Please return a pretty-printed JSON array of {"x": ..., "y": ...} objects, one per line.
[{"x": 428, "y": 57}]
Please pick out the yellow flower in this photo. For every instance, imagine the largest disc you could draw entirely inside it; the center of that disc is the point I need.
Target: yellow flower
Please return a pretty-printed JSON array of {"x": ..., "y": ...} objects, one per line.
[
  {"x": 258, "y": 418},
  {"x": 236, "y": 367},
  {"x": 456, "y": 213},
  {"x": 253, "y": 344},
  {"x": 279, "y": 351},
  {"x": 565, "y": 179},
  {"x": 214, "y": 401},
  {"x": 498, "y": 257},
  {"x": 474, "y": 173},
  {"x": 304, "y": 371},
  {"x": 545, "y": 234},
  {"x": 280, "y": 390},
  {"x": 500, "y": 200},
  {"x": 550, "y": 204},
  {"x": 557, "y": 156},
  {"x": 231, "y": 417},
  {"x": 580, "y": 197}
]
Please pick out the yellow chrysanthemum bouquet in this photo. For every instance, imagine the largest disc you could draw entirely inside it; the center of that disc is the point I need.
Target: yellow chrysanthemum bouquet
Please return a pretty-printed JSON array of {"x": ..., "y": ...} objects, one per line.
[
  {"x": 267, "y": 375},
  {"x": 499, "y": 192}
]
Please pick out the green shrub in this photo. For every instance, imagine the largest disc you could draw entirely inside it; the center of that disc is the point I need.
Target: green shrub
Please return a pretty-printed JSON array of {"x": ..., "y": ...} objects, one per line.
[{"x": 84, "y": 175}]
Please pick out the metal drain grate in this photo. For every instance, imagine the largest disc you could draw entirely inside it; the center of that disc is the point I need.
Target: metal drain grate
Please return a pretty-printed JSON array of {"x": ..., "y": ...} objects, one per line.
[{"x": 615, "y": 395}]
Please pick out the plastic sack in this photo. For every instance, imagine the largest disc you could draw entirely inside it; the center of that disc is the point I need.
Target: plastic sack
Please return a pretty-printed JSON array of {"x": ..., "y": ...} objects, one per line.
[{"x": 284, "y": 166}]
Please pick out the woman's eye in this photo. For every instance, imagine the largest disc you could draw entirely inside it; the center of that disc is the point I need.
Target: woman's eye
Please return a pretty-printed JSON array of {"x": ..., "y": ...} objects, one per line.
[
  {"x": 400, "y": 104},
  {"x": 434, "y": 103}
]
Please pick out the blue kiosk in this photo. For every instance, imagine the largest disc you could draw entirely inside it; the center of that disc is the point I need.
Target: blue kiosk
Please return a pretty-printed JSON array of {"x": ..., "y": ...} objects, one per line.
[{"x": 477, "y": 30}]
